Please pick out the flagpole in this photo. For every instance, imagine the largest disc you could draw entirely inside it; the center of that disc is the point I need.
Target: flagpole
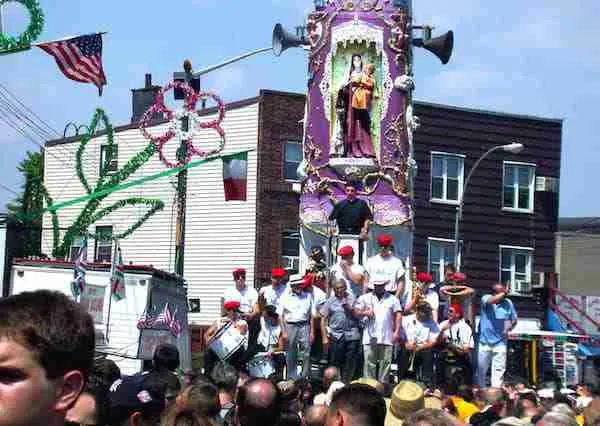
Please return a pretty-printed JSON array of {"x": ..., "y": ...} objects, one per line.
[
  {"x": 63, "y": 39},
  {"x": 110, "y": 290}
]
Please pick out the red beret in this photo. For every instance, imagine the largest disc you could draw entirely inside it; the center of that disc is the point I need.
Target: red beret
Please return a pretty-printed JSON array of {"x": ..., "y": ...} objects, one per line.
[
  {"x": 424, "y": 277},
  {"x": 457, "y": 307},
  {"x": 307, "y": 281},
  {"x": 231, "y": 304},
  {"x": 278, "y": 273},
  {"x": 239, "y": 271},
  {"x": 384, "y": 240},
  {"x": 459, "y": 277},
  {"x": 345, "y": 251}
]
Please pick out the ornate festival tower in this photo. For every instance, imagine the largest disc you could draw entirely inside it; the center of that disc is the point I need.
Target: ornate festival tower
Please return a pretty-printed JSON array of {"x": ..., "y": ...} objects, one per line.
[{"x": 359, "y": 123}]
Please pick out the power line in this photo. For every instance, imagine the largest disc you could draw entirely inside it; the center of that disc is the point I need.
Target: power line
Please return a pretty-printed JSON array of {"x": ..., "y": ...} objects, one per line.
[
  {"x": 6, "y": 188},
  {"x": 48, "y": 126}
]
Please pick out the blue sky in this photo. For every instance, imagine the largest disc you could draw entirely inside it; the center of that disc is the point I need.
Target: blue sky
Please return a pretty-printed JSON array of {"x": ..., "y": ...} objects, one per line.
[{"x": 539, "y": 57}]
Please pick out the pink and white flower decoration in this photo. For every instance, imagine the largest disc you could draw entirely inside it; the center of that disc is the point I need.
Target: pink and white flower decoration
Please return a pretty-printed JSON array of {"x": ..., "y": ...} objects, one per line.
[{"x": 174, "y": 131}]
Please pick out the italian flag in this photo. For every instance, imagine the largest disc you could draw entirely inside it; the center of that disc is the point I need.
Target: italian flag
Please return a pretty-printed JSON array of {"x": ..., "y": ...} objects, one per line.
[{"x": 235, "y": 171}]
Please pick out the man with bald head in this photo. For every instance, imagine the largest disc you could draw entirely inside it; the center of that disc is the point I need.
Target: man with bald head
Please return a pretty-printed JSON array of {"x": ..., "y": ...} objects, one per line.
[
  {"x": 315, "y": 415},
  {"x": 330, "y": 375},
  {"x": 259, "y": 403},
  {"x": 497, "y": 317}
]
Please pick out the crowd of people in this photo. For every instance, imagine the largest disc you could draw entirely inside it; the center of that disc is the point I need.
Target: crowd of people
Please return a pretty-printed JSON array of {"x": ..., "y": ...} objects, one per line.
[
  {"x": 362, "y": 319},
  {"x": 51, "y": 375}
]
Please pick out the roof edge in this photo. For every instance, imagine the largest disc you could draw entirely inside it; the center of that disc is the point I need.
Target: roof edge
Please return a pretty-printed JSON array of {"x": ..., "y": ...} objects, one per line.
[{"x": 207, "y": 111}]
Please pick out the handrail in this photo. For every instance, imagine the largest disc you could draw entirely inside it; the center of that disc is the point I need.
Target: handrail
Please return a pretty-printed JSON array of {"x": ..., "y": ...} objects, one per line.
[{"x": 556, "y": 291}]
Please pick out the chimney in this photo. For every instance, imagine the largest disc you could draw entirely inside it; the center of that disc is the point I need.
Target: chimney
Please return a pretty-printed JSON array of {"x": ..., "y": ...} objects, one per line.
[{"x": 142, "y": 99}]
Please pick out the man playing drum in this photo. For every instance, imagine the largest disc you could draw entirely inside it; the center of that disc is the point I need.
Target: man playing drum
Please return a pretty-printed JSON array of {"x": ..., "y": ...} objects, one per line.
[
  {"x": 236, "y": 330},
  {"x": 456, "y": 338}
]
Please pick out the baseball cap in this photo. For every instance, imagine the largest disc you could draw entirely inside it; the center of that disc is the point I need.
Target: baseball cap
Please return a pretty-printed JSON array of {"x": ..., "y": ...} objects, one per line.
[{"x": 144, "y": 393}]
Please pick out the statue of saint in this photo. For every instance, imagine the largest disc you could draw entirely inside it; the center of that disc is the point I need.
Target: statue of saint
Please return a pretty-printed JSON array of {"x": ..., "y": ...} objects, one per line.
[{"x": 353, "y": 107}]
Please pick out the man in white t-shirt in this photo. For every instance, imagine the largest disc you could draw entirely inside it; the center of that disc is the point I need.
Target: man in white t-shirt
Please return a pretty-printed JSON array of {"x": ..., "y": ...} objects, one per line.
[
  {"x": 383, "y": 315},
  {"x": 427, "y": 294},
  {"x": 272, "y": 294},
  {"x": 421, "y": 337},
  {"x": 247, "y": 296},
  {"x": 352, "y": 273},
  {"x": 387, "y": 267}
]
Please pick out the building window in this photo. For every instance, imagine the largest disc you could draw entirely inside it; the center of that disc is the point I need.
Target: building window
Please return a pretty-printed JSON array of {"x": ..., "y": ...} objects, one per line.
[
  {"x": 518, "y": 187},
  {"x": 515, "y": 268},
  {"x": 290, "y": 250},
  {"x": 104, "y": 244},
  {"x": 75, "y": 247},
  {"x": 108, "y": 160},
  {"x": 446, "y": 177},
  {"x": 440, "y": 254},
  {"x": 292, "y": 159}
]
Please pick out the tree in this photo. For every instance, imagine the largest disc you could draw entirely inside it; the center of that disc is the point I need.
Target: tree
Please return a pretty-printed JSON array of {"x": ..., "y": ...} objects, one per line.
[{"x": 24, "y": 212}]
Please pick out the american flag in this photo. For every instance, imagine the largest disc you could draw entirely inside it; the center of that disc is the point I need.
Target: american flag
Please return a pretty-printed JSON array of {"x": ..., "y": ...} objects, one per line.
[
  {"x": 78, "y": 283},
  {"x": 79, "y": 58},
  {"x": 117, "y": 274}
]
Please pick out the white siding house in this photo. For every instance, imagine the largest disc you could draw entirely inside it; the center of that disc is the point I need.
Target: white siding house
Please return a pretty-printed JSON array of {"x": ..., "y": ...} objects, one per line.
[{"x": 212, "y": 250}]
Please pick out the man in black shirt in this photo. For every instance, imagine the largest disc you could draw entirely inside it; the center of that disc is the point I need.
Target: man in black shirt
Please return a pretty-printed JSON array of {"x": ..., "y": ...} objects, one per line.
[{"x": 352, "y": 214}]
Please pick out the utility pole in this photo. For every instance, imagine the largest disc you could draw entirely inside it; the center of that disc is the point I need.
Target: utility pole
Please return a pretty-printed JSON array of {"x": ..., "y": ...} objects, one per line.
[{"x": 182, "y": 184}]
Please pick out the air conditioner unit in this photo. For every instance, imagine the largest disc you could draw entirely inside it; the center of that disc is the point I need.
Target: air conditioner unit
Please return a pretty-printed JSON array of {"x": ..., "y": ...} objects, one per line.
[
  {"x": 521, "y": 287},
  {"x": 546, "y": 184},
  {"x": 538, "y": 280}
]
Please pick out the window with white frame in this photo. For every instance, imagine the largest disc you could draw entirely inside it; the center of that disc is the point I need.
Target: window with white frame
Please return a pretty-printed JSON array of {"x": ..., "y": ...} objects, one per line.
[
  {"x": 292, "y": 159},
  {"x": 75, "y": 247},
  {"x": 103, "y": 244},
  {"x": 108, "y": 158},
  {"x": 447, "y": 172},
  {"x": 518, "y": 186},
  {"x": 515, "y": 268},
  {"x": 290, "y": 250},
  {"x": 440, "y": 254}
]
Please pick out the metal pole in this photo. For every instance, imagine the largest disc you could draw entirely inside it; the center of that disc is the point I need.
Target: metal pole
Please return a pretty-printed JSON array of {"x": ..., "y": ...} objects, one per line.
[
  {"x": 1, "y": 25},
  {"x": 230, "y": 61},
  {"x": 459, "y": 209},
  {"x": 181, "y": 198}
]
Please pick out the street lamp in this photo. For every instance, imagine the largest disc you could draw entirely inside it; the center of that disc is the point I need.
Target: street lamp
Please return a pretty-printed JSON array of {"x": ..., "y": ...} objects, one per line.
[{"x": 513, "y": 148}]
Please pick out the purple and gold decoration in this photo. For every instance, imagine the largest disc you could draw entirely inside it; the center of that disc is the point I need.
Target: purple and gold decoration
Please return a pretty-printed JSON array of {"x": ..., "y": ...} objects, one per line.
[{"x": 359, "y": 119}]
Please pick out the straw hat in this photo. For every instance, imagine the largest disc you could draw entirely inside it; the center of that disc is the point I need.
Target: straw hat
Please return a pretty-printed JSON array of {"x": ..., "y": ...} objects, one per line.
[
  {"x": 407, "y": 397},
  {"x": 378, "y": 386}
]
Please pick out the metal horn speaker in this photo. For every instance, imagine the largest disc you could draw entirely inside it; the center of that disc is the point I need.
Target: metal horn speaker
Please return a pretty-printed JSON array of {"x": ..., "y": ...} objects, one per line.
[
  {"x": 283, "y": 40},
  {"x": 440, "y": 46}
]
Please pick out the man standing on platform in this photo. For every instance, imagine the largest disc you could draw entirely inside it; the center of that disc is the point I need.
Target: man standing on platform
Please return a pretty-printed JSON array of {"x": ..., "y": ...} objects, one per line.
[
  {"x": 497, "y": 317},
  {"x": 383, "y": 315},
  {"x": 297, "y": 312},
  {"x": 271, "y": 295},
  {"x": 352, "y": 273},
  {"x": 387, "y": 267},
  {"x": 456, "y": 338},
  {"x": 421, "y": 337},
  {"x": 352, "y": 215},
  {"x": 247, "y": 296},
  {"x": 339, "y": 328}
]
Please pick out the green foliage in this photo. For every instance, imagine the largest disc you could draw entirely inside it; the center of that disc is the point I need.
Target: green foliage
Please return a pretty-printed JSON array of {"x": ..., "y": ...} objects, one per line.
[
  {"x": 9, "y": 44},
  {"x": 92, "y": 211},
  {"x": 20, "y": 211}
]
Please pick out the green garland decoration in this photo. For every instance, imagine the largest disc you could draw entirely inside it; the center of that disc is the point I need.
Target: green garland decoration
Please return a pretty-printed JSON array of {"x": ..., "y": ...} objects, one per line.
[
  {"x": 9, "y": 44},
  {"x": 90, "y": 213}
]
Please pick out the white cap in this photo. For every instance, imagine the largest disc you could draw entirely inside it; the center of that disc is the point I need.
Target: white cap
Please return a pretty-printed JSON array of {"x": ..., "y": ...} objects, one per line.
[{"x": 373, "y": 283}]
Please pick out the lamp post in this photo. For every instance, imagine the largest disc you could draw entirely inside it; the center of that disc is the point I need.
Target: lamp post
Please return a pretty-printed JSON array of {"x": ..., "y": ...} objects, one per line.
[{"x": 513, "y": 148}]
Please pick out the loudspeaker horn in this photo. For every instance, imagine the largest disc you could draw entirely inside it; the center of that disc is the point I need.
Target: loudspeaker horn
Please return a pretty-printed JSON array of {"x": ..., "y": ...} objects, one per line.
[
  {"x": 440, "y": 46},
  {"x": 283, "y": 40}
]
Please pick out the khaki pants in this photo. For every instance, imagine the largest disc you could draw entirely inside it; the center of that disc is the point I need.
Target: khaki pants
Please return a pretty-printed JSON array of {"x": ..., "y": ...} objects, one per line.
[{"x": 378, "y": 355}]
